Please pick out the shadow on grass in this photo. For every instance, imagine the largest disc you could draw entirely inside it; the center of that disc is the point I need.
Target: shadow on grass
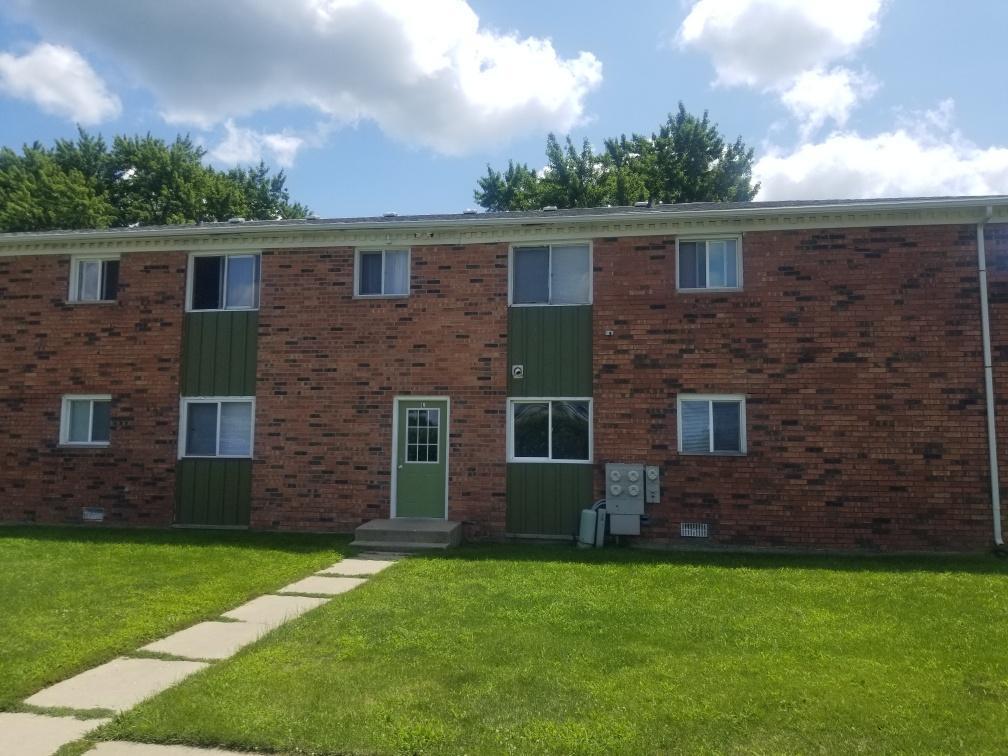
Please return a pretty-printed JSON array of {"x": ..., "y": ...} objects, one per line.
[
  {"x": 259, "y": 540},
  {"x": 980, "y": 564}
]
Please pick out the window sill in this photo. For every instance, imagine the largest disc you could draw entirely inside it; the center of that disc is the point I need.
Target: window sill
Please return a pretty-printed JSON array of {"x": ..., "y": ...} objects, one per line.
[
  {"x": 709, "y": 290},
  {"x": 85, "y": 445},
  {"x": 91, "y": 302},
  {"x": 713, "y": 454},
  {"x": 549, "y": 304},
  {"x": 225, "y": 309},
  {"x": 381, "y": 296},
  {"x": 539, "y": 461}
]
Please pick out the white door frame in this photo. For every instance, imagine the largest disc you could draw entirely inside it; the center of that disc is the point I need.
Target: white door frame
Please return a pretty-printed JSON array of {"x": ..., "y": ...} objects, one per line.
[{"x": 395, "y": 445}]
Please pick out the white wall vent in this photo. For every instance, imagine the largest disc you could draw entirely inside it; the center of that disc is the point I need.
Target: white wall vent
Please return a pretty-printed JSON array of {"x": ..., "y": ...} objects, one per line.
[
  {"x": 693, "y": 529},
  {"x": 93, "y": 514}
]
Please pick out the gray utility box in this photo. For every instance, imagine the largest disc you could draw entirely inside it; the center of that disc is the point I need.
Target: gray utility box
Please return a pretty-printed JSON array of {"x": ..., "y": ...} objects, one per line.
[
  {"x": 624, "y": 524},
  {"x": 652, "y": 489},
  {"x": 624, "y": 489}
]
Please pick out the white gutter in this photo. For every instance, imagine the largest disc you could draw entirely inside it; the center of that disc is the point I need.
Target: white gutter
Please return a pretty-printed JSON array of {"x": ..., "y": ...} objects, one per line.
[{"x": 992, "y": 450}]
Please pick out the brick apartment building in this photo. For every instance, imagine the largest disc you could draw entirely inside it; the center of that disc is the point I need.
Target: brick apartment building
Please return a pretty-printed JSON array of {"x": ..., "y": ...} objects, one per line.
[{"x": 804, "y": 374}]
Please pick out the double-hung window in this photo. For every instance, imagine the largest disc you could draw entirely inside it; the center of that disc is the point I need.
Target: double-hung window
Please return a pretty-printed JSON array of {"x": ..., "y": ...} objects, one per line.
[
  {"x": 551, "y": 274},
  {"x": 550, "y": 430},
  {"x": 712, "y": 424},
  {"x": 382, "y": 273},
  {"x": 84, "y": 420},
  {"x": 94, "y": 279},
  {"x": 224, "y": 282},
  {"x": 709, "y": 264},
  {"x": 217, "y": 427}
]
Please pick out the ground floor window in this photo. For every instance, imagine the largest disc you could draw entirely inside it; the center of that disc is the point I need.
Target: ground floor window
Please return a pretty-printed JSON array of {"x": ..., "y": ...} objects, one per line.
[
  {"x": 711, "y": 424},
  {"x": 550, "y": 430},
  {"x": 217, "y": 427},
  {"x": 84, "y": 420}
]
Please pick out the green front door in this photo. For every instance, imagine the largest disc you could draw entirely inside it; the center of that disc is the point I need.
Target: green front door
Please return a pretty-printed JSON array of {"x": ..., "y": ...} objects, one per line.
[{"x": 421, "y": 458}]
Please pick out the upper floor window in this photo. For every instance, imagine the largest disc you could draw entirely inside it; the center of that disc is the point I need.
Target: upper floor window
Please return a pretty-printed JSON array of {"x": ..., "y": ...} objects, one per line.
[
  {"x": 712, "y": 424},
  {"x": 382, "y": 273},
  {"x": 224, "y": 282},
  {"x": 84, "y": 420},
  {"x": 552, "y": 274},
  {"x": 709, "y": 264},
  {"x": 94, "y": 279}
]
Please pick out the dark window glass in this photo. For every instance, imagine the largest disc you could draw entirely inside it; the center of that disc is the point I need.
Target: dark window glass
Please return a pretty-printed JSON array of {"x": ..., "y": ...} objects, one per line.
[
  {"x": 692, "y": 265},
  {"x": 207, "y": 283},
  {"x": 531, "y": 429},
  {"x": 570, "y": 430},
  {"x": 531, "y": 276},
  {"x": 370, "y": 273},
  {"x": 727, "y": 426},
  {"x": 201, "y": 429},
  {"x": 110, "y": 279},
  {"x": 100, "y": 422}
]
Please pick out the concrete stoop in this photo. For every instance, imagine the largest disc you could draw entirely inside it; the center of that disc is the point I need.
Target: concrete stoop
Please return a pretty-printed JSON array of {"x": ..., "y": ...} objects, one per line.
[{"x": 405, "y": 534}]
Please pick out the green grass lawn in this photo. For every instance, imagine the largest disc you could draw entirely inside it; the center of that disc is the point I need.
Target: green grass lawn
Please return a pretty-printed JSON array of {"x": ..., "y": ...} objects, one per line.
[
  {"x": 550, "y": 650},
  {"x": 71, "y": 598}
]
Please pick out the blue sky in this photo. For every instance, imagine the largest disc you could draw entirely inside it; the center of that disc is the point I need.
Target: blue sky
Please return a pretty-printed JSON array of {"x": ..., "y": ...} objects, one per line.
[{"x": 377, "y": 105}]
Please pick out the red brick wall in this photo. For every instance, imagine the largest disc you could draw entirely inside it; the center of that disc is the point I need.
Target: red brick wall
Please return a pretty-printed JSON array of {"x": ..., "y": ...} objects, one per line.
[
  {"x": 859, "y": 351},
  {"x": 129, "y": 349},
  {"x": 330, "y": 366}
]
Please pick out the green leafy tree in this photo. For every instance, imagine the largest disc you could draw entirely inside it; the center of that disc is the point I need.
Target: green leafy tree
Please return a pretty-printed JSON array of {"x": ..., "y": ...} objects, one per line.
[
  {"x": 685, "y": 160},
  {"x": 83, "y": 183}
]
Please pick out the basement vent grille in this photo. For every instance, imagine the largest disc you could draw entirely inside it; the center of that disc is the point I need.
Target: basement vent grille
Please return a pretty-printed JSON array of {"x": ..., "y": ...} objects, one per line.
[
  {"x": 693, "y": 529},
  {"x": 93, "y": 514}
]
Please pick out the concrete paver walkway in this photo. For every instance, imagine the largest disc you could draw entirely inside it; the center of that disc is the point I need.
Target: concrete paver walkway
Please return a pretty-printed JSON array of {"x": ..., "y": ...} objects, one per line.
[
  {"x": 124, "y": 682},
  {"x": 40, "y": 735},
  {"x": 117, "y": 685}
]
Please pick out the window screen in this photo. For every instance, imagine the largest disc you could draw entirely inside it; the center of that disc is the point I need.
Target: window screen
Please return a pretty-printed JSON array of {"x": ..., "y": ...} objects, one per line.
[{"x": 531, "y": 276}]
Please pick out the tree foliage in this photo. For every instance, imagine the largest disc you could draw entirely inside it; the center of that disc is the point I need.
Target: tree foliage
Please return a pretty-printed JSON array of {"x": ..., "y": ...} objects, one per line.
[
  {"x": 84, "y": 183},
  {"x": 686, "y": 160}
]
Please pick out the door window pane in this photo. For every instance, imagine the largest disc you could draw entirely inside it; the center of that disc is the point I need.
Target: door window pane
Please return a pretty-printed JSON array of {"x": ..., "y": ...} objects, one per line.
[
  {"x": 80, "y": 421},
  {"x": 570, "y": 430},
  {"x": 100, "y": 421},
  {"x": 571, "y": 275},
  {"x": 727, "y": 426},
  {"x": 695, "y": 423},
  {"x": 201, "y": 429},
  {"x": 396, "y": 277},
  {"x": 236, "y": 429},
  {"x": 531, "y": 276},
  {"x": 370, "y": 280},
  {"x": 207, "y": 282},
  {"x": 423, "y": 428},
  {"x": 242, "y": 282},
  {"x": 531, "y": 429}
]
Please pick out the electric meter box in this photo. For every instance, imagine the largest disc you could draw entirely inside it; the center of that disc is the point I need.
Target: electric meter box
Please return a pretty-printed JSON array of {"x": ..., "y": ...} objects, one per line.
[
  {"x": 652, "y": 487},
  {"x": 624, "y": 488}
]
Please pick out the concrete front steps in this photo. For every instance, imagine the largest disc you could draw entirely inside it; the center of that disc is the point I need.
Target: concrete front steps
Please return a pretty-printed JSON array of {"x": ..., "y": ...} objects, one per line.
[{"x": 408, "y": 534}]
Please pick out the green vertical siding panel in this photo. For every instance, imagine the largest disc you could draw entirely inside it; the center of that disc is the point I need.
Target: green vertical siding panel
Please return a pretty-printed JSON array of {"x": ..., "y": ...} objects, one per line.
[
  {"x": 214, "y": 491},
  {"x": 555, "y": 346},
  {"x": 547, "y": 499},
  {"x": 219, "y": 353}
]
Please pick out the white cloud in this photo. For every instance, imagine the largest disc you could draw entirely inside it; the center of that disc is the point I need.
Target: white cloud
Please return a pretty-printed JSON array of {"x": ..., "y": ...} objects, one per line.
[
  {"x": 784, "y": 47},
  {"x": 60, "y": 82},
  {"x": 818, "y": 96},
  {"x": 427, "y": 73},
  {"x": 927, "y": 158},
  {"x": 247, "y": 146}
]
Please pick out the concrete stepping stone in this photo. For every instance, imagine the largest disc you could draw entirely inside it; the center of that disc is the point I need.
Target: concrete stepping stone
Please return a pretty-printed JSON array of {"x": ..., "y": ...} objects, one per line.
[
  {"x": 209, "y": 640},
  {"x": 39, "y": 735},
  {"x": 117, "y": 685},
  {"x": 122, "y": 748},
  {"x": 273, "y": 611},
  {"x": 327, "y": 586},
  {"x": 357, "y": 567}
]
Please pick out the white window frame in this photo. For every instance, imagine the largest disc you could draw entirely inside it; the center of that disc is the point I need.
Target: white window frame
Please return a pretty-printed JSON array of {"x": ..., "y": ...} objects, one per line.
[
  {"x": 65, "y": 419},
  {"x": 226, "y": 254},
  {"x": 709, "y": 238},
  {"x": 383, "y": 251},
  {"x": 549, "y": 272},
  {"x": 184, "y": 403},
  {"x": 75, "y": 277},
  {"x": 710, "y": 399},
  {"x": 511, "y": 402}
]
